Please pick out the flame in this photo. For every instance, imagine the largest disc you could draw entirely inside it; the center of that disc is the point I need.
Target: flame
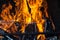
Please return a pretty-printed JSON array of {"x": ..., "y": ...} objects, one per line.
[{"x": 23, "y": 16}]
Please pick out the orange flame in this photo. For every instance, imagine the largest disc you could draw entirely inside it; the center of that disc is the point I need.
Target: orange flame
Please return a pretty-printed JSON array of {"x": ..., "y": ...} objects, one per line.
[{"x": 23, "y": 15}]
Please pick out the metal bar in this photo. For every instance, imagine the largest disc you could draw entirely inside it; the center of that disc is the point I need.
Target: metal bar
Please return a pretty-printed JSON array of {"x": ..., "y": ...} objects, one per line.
[{"x": 45, "y": 33}]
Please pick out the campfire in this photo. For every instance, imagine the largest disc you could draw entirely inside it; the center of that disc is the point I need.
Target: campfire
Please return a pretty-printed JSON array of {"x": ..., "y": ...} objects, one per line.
[{"x": 25, "y": 19}]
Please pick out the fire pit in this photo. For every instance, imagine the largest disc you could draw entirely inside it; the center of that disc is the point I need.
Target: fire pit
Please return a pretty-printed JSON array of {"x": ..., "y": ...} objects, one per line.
[{"x": 26, "y": 20}]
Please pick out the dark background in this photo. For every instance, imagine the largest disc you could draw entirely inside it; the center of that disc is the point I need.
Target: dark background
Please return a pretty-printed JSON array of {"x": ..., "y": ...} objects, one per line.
[{"x": 54, "y": 11}]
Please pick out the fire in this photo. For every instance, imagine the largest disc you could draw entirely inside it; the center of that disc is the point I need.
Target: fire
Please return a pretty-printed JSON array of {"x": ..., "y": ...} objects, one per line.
[{"x": 23, "y": 16}]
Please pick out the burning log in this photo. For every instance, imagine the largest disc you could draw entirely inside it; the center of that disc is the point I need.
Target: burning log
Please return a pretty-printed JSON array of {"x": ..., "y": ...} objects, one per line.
[
  {"x": 34, "y": 34},
  {"x": 31, "y": 28},
  {"x": 7, "y": 35}
]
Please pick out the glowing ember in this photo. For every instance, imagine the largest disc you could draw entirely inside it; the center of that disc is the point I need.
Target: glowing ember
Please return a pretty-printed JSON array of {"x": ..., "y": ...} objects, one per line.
[{"x": 26, "y": 12}]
